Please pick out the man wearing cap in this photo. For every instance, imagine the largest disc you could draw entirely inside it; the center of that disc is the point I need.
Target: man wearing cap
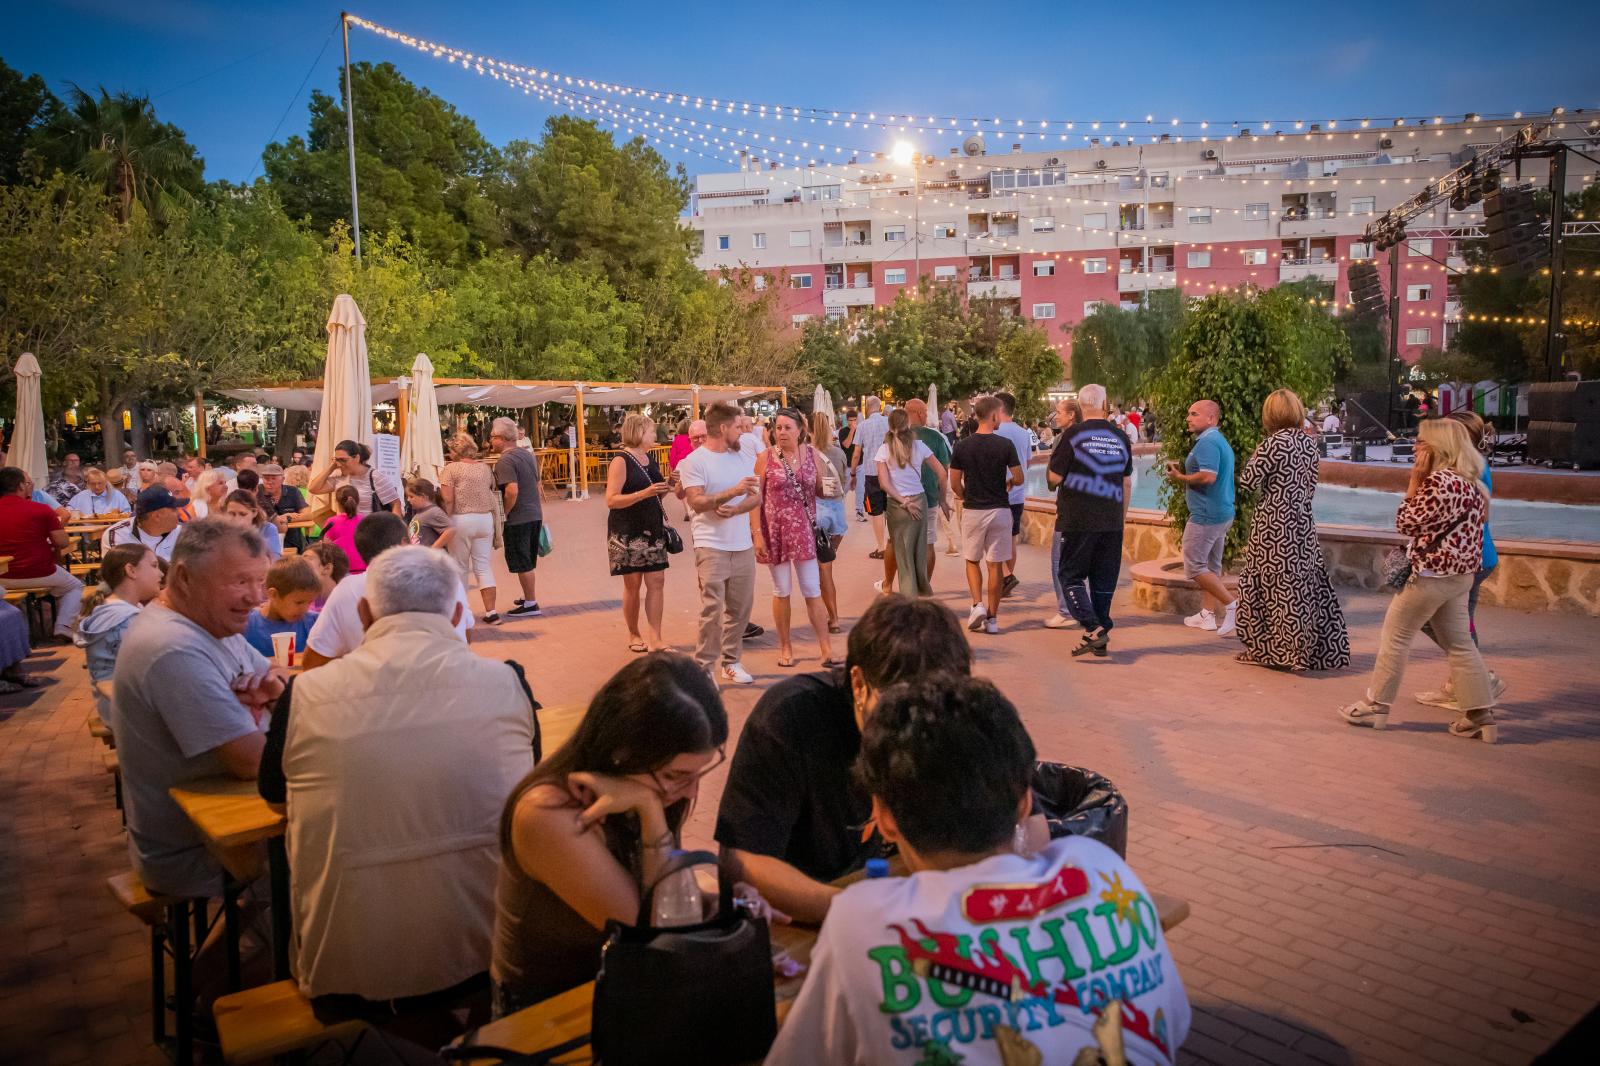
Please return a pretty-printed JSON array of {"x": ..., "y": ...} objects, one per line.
[
  {"x": 154, "y": 524},
  {"x": 284, "y": 503}
]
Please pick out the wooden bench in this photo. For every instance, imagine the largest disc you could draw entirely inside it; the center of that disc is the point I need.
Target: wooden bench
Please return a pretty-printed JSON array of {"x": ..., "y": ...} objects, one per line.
[
  {"x": 113, "y": 767},
  {"x": 34, "y": 600},
  {"x": 98, "y": 729},
  {"x": 276, "y": 1019},
  {"x": 168, "y": 919}
]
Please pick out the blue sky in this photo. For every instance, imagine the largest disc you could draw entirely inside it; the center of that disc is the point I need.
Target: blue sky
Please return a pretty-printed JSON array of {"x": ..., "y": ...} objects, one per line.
[{"x": 228, "y": 74}]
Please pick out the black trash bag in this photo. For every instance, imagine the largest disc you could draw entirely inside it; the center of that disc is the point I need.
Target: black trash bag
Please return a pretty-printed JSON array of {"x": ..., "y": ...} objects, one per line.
[{"x": 1079, "y": 802}]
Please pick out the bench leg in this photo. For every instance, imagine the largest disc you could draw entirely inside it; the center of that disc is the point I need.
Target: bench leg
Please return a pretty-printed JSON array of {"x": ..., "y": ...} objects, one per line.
[
  {"x": 158, "y": 987},
  {"x": 182, "y": 985},
  {"x": 230, "y": 926}
]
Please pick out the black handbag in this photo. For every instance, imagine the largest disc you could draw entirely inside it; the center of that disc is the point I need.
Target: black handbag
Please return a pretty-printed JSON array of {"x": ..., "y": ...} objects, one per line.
[{"x": 703, "y": 991}]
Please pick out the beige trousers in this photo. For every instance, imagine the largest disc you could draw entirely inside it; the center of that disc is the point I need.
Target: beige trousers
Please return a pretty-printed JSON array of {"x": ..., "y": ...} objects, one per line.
[
  {"x": 727, "y": 592},
  {"x": 1441, "y": 601}
]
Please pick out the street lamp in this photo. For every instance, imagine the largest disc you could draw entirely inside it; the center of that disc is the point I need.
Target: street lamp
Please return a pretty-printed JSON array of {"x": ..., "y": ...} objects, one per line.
[{"x": 904, "y": 154}]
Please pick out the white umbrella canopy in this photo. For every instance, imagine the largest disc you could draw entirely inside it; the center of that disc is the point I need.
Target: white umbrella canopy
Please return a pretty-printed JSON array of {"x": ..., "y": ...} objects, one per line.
[
  {"x": 933, "y": 406},
  {"x": 346, "y": 385},
  {"x": 421, "y": 453},
  {"x": 27, "y": 437},
  {"x": 823, "y": 401}
]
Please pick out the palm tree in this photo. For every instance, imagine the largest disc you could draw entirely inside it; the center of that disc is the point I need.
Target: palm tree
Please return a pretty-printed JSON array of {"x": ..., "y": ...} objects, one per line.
[{"x": 116, "y": 142}]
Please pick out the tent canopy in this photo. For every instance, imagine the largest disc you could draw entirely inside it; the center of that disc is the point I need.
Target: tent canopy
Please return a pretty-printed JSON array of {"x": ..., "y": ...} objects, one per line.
[{"x": 307, "y": 396}]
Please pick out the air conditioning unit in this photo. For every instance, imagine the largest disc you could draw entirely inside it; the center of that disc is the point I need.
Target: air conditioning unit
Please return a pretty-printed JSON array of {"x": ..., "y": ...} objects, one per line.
[
  {"x": 952, "y": 174},
  {"x": 1386, "y": 143},
  {"x": 1099, "y": 164},
  {"x": 1054, "y": 161},
  {"x": 1209, "y": 153}
]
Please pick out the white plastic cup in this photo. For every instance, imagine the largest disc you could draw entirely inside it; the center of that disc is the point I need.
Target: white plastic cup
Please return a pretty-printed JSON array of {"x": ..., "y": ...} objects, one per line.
[{"x": 283, "y": 649}]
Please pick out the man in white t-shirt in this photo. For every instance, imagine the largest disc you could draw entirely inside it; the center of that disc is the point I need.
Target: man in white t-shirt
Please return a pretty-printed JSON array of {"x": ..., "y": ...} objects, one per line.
[
  {"x": 1018, "y": 494},
  {"x": 720, "y": 488},
  {"x": 998, "y": 956},
  {"x": 868, "y": 438},
  {"x": 751, "y": 440},
  {"x": 338, "y": 630},
  {"x": 1330, "y": 422}
]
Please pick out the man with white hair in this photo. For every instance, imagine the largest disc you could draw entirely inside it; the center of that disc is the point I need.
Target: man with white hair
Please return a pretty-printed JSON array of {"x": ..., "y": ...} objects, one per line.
[
  {"x": 869, "y": 435},
  {"x": 517, "y": 474},
  {"x": 393, "y": 764},
  {"x": 1092, "y": 471}
]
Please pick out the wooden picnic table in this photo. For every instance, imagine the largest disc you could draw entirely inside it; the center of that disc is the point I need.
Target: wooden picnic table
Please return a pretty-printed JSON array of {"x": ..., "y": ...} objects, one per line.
[
  {"x": 568, "y": 1016},
  {"x": 5, "y": 563}
]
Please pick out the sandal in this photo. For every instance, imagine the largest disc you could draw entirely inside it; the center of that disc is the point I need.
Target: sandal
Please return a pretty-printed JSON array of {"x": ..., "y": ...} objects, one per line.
[
  {"x": 874, "y": 555},
  {"x": 1481, "y": 728},
  {"x": 786, "y": 661},
  {"x": 835, "y": 627},
  {"x": 1365, "y": 713},
  {"x": 637, "y": 647}
]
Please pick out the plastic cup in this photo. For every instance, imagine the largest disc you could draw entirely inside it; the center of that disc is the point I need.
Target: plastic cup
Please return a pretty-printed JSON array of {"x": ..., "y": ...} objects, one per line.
[{"x": 283, "y": 649}]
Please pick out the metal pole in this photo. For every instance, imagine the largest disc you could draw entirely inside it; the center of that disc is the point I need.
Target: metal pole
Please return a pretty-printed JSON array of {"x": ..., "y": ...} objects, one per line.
[
  {"x": 350, "y": 136},
  {"x": 200, "y": 423},
  {"x": 1555, "y": 337},
  {"x": 1394, "y": 327},
  {"x": 916, "y": 216}
]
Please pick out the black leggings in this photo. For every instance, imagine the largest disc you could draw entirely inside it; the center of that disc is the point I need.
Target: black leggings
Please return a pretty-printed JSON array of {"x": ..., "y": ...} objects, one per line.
[{"x": 1090, "y": 563}]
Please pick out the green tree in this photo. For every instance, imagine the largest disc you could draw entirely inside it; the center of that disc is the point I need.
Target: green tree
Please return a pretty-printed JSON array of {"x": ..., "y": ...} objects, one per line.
[
  {"x": 27, "y": 106},
  {"x": 1028, "y": 365},
  {"x": 421, "y": 167},
  {"x": 1121, "y": 349},
  {"x": 829, "y": 356},
  {"x": 1236, "y": 348},
  {"x": 1435, "y": 367},
  {"x": 117, "y": 143}
]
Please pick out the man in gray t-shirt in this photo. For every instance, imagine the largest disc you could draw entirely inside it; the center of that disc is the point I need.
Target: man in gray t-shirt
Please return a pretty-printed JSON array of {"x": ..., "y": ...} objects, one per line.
[
  {"x": 517, "y": 474},
  {"x": 187, "y": 692}
]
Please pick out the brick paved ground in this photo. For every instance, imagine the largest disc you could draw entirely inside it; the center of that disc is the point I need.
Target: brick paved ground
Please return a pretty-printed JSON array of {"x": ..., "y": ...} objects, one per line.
[{"x": 1357, "y": 897}]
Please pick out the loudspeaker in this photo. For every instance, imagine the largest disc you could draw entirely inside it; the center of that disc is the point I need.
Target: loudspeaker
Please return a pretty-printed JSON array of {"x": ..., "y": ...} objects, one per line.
[
  {"x": 1366, "y": 411},
  {"x": 1564, "y": 443},
  {"x": 1564, "y": 401},
  {"x": 1358, "y": 451},
  {"x": 1404, "y": 449},
  {"x": 1512, "y": 226}
]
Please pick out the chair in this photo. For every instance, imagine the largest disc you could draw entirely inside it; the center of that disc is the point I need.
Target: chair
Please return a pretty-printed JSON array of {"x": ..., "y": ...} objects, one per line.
[{"x": 276, "y": 1019}]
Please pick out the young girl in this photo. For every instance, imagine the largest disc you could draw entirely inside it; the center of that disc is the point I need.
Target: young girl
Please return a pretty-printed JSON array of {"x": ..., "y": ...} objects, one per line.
[
  {"x": 242, "y": 506},
  {"x": 130, "y": 577},
  {"x": 341, "y": 528},
  {"x": 429, "y": 525}
]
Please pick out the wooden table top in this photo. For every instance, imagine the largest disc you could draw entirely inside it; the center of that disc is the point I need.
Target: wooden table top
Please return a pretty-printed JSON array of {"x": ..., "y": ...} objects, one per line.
[
  {"x": 5, "y": 563},
  {"x": 98, "y": 524},
  {"x": 232, "y": 817}
]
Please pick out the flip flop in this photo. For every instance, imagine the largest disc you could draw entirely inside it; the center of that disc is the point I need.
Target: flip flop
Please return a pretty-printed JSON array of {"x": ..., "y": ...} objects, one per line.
[
  {"x": 638, "y": 647},
  {"x": 835, "y": 627},
  {"x": 874, "y": 555},
  {"x": 786, "y": 661}
]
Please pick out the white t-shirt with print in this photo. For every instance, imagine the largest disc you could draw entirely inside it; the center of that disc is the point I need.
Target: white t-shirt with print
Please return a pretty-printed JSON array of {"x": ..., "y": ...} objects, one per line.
[
  {"x": 907, "y": 480},
  {"x": 338, "y": 630},
  {"x": 1039, "y": 944},
  {"x": 718, "y": 472}
]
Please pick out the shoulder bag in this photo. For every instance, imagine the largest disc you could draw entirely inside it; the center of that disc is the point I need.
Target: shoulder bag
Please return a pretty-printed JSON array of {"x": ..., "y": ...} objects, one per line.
[
  {"x": 1397, "y": 561},
  {"x": 674, "y": 542},
  {"x": 703, "y": 991}
]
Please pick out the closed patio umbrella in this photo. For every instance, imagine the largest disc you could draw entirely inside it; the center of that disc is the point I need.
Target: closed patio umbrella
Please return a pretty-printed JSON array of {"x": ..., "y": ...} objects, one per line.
[
  {"x": 822, "y": 400},
  {"x": 421, "y": 453},
  {"x": 346, "y": 385},
  {"x": 27, "y": 436}
]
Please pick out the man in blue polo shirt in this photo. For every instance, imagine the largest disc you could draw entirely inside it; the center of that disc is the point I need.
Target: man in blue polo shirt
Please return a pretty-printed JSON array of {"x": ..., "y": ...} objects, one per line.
[{"x": 1207, "y": 480}]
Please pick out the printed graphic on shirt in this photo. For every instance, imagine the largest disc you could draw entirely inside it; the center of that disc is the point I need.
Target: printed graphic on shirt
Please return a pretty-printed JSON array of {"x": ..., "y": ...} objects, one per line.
[
  {"x": 1103, "y": 458},
  {"x": 1046, "y": 949}
]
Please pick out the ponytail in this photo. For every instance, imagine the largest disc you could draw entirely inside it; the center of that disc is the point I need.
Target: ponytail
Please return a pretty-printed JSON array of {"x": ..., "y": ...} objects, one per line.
[
  {"x": 356, "y": 448},
  {"x": 347, "y": 499},
  {"x": 115, "y": 563}
]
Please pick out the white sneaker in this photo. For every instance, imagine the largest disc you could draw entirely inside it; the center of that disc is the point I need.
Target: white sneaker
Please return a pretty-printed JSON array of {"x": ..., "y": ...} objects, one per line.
[
  {"x": 877, "y": 586},
  {"x": 1060, "y": 621},
  {"x": 736, "y": 673},
  {"x": 991, "y": 625},
  {"x": 1230, "y": 619},
  {"x": 1204, "y": 620},
  {"x": 976, "y": 616}
]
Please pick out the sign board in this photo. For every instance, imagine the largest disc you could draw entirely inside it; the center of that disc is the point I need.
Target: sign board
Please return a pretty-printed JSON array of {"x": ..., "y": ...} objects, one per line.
[{"x": 386, "y": 455}]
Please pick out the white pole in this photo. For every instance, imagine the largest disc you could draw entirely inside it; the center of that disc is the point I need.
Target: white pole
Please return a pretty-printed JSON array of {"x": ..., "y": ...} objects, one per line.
[{"x": 350, "y": 136}]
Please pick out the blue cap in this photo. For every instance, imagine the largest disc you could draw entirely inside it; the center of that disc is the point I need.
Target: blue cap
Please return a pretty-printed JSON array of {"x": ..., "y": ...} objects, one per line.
[
  {"x": 877, "y": 868},
  {"x": 154, "y": 498}
]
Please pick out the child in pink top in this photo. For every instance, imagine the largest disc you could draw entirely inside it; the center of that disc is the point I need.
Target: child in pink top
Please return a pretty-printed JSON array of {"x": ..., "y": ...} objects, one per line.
[{"x": 341, "y": 528}]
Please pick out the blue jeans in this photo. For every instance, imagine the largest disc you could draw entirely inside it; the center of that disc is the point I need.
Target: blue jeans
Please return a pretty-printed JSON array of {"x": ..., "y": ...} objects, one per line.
[{"x": 1055, "y": 575}]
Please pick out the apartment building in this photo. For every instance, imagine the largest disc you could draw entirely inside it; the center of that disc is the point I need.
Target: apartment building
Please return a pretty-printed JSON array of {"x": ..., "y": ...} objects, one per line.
[{"x": 1054, "y": 232}]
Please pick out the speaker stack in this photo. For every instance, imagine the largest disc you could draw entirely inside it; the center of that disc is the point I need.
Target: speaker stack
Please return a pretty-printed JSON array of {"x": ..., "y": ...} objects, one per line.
[{"x": 1564, "y": 423}]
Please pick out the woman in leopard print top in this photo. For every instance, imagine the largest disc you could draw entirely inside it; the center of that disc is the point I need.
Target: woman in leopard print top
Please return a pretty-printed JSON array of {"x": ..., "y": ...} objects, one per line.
[{"x": 1443, "y": 514}]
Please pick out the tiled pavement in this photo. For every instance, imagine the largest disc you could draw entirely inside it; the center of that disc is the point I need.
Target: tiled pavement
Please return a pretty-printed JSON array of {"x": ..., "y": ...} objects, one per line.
[{"x": 1395, "y": 897}]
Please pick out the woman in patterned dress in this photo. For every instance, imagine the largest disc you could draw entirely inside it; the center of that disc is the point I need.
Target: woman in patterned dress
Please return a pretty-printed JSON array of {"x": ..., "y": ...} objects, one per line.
[
  {"x": 636, "y": 531},
  {"x": 1289, "y": 617},
  {"x": 791, "y": 481}
]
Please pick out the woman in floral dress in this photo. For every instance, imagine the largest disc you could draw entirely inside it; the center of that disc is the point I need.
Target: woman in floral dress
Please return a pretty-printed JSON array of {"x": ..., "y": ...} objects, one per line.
[
  {"x": 782, "y": 529},
  {"x": 1289, "y": 616}
]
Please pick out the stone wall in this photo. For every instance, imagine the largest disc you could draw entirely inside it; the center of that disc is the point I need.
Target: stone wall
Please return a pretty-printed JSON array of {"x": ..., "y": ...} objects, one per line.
[{"x": 1558, "y": 576}]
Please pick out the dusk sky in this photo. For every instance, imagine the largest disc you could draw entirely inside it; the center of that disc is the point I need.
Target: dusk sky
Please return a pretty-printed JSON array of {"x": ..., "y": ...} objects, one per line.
[{"x": 231, "y": 74}]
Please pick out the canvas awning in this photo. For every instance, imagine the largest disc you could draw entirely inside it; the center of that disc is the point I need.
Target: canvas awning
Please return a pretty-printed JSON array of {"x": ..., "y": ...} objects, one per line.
[{"x": 302, "y": 396}]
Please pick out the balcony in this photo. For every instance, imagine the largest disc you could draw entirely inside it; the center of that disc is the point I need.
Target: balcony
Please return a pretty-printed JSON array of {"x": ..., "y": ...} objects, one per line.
[
  {"x": 984, "y": 288},
  {"x": 1299, "y": 269},
  {"x": 1145, "y": 281},
  {"x": 1314, "y": 223},
  {"x": 848, "y": 296},
  {"x": 1452, "y": 310}
]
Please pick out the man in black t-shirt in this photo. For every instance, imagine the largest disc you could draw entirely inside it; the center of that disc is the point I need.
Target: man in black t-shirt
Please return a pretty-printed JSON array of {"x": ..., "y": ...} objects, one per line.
[
  {"x": 983, "y": 469},
  {"x": 792, "y": 818},
  {"x": 1092, "y": 471}
]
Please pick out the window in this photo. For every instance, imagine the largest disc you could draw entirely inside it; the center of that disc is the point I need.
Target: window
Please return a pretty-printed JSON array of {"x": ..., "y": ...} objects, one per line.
[
  {"x": 758, "y": 240},
  {"x": 1422, "y": 246},
  {"x": 760, "y": 282},
  {"x": 1255, "y": 257},
  {"x": 1199, "y": 259},
  {"x": 1360, "y": 250},
  {"x": 1044, "y": 310},
  {"x": 1094, "y": 266},
  {"x": 799, "y": 321},
  {"x": 1255, "y": 212},
  {"x": 1419, "y": 336},
  {"x": 1199, "y": 216},
  {"x": 799, "y": 281},
  {"x": 944, "y": 273},
  {"x": 1095, "y": 221},
  {"x": 1008, "y": 270},
  {"x": 944, "y": 231},
  {"x": 724, "y": 242},
  {"x": 1044, "y": 268},
  {"x": 799, "y": 238},
  {"x": 1419, "y": 293},
  {"x": 1044, "y": 224},
  {"x": 894, "y": 235},
  {"x": 1090, "y": 306},
  {"x": 895, "y": 277},
  {"x": 823, "y": 192},
  {"x": 1364, "y": 205}
]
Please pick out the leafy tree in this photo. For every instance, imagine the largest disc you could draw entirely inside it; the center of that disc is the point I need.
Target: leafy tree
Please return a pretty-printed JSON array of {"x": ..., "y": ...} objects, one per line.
[
  {"x": 829, "y": 356},
  {"x": 723, "y": 334},
  {"x": 1121, "y": 349},
  {"x": 404, "y": 297},
  {"x": 1435, "y": 367},
  {"x": 26, "y": 107},
  {"x": 1028, "y": 365},
  {"x": 928, "y": 339},
  {"x": 118, "y": 144},
  {"x": 421, "y": 167},
  {"x": 1236, "y": 348}
]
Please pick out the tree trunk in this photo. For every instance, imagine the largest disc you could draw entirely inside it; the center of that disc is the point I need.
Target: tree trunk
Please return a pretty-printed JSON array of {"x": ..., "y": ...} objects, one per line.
[
  {"x": 110, "y": 412},
  {"x": 139, "y": 432},
  {"x": 289, "y": 426}
]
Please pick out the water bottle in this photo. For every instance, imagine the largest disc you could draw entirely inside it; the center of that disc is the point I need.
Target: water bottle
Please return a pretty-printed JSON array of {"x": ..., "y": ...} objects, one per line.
[
  {"x": 677, "y": 898},
  {"x": 877, "y": 868}
]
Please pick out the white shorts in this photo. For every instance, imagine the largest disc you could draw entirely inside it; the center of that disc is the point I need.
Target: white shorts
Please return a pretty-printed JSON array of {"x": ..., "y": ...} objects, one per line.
[
  {"x": 986, "y": 535},
  {"x": 810, "y": 578}
]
